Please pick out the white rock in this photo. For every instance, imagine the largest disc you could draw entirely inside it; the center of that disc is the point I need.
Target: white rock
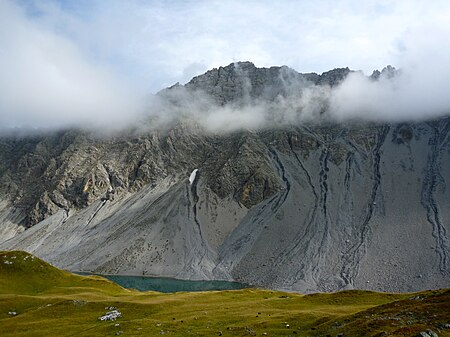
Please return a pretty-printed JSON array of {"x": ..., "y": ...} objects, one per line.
[{"x": 111, "y": 315}]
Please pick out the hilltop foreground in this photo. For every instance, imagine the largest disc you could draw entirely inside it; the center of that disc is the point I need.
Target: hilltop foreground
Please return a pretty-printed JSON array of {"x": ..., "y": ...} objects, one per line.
[{"x": 37, "y": 299}]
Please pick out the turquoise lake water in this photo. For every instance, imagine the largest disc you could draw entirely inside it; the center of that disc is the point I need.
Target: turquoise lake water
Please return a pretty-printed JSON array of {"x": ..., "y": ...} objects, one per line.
[{"x": 169, "y": 285}]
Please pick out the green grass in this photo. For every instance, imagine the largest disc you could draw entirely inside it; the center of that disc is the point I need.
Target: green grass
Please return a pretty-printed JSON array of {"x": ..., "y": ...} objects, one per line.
[{"x": 52, "y": 302}]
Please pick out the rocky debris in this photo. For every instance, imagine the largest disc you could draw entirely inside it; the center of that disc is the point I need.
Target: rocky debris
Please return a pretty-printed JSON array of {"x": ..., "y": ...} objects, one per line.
[
  {"x": 79, "y": 303},
  {"x": 111, "y": 316},
  {"x": 250, "y": 331},
  {"x": 428, "y": 333},
  {"x": 284, "y": 197},
  {"x": 416, "y": 298}
]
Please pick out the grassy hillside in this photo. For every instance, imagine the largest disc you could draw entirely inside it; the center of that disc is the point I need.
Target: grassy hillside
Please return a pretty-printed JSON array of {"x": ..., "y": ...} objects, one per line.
[
  {"x": 24, "y": 274},
  {"x": 37, "y": 299}
]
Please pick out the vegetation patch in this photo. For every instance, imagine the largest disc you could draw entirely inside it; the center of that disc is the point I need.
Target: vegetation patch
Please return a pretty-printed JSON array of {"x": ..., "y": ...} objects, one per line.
[{"x": 47, "y": 301}]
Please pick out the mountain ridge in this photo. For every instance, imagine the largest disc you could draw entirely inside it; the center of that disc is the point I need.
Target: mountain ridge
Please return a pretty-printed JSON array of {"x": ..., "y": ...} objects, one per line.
[{"x": 310, "y": 207}]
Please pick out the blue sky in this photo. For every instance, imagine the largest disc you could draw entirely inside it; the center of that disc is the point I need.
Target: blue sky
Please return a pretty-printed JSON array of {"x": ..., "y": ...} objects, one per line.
[
  {"x": 132, "y": 48},
  {"x": 158, "y": 43}
]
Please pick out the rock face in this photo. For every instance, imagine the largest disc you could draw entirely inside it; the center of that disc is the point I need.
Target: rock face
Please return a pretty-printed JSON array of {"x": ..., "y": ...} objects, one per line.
[
  {"x": 306, "y": 208},
  {"x": 242, "y": 81}
]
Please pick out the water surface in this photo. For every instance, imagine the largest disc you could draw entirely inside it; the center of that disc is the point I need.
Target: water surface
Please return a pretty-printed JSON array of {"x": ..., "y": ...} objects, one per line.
[{"x": 170, "y": 285}]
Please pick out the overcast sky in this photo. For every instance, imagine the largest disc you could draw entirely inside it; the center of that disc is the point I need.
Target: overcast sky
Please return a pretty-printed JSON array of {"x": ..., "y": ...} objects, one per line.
[{"x": 85, "y": 57}]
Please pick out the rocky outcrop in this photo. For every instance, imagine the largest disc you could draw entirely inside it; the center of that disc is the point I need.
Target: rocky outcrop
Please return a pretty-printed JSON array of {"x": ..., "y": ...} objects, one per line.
[
  {"x": 242, "y": 82},
  {"x": 428, "y": 333},
  {"x": 312, "y": 207}
]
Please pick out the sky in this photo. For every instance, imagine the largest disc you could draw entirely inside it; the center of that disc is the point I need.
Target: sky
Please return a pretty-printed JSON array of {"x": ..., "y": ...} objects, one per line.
[{"x": 94, "y": 61}]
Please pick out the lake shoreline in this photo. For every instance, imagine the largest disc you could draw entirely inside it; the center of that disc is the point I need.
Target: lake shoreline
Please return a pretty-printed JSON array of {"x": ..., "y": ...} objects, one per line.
[{"x": 167, "y": 284}]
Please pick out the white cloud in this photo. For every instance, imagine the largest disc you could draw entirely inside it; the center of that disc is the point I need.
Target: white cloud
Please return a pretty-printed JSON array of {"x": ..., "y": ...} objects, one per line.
[
  {"x": 155, "y": 41},
  {"x": 419, "y": 92},
  {"x": 47, "y": 81},
  {"x": 86, "y": 61}
]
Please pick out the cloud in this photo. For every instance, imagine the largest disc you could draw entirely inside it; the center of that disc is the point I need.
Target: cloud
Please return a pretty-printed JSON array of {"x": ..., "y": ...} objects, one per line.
[
  {"x": 406, "y": 95},
  {"x": 158, "y": 43},
  {"x": 47, "y": 81},
  {"x": 91, "y": 62},
  {"x": 418, "y": 92}
]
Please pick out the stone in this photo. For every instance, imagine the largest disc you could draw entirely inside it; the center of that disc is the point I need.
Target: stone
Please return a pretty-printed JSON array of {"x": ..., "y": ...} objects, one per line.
[
  {"x": 111, "y": 316},
  {"x": 427, "y": 333}
]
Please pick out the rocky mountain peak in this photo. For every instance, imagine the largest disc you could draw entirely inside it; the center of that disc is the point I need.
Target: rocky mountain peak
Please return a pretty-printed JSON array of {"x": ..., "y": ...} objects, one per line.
[
  {"x": 334, "y": 77},
  {"x": 243, "y": 82},
  {"x": 387, "y": 72}
]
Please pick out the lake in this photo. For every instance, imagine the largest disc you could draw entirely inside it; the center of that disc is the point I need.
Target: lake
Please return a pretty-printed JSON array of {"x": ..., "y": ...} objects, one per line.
[{"x": 170, "y": 285}]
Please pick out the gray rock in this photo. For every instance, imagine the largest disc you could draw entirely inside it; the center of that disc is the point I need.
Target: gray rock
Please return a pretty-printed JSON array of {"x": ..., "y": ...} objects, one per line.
[
  {"x": 270, "y": 208},
  {"x": 111, "y": 315},
  {"x": 428, "y": 333}
]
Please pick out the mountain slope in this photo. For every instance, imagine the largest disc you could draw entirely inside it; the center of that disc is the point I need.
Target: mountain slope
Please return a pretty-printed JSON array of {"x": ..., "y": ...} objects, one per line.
[{"x": 313, "y": 207}]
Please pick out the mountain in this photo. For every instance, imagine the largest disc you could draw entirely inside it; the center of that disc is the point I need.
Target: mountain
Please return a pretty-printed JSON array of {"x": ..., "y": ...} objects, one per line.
[{"x": 313, "y": 206}]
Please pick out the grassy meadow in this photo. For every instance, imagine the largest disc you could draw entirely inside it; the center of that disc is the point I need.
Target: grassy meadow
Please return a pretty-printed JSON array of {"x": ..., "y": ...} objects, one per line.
[{"x": 37, "y": 299}]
